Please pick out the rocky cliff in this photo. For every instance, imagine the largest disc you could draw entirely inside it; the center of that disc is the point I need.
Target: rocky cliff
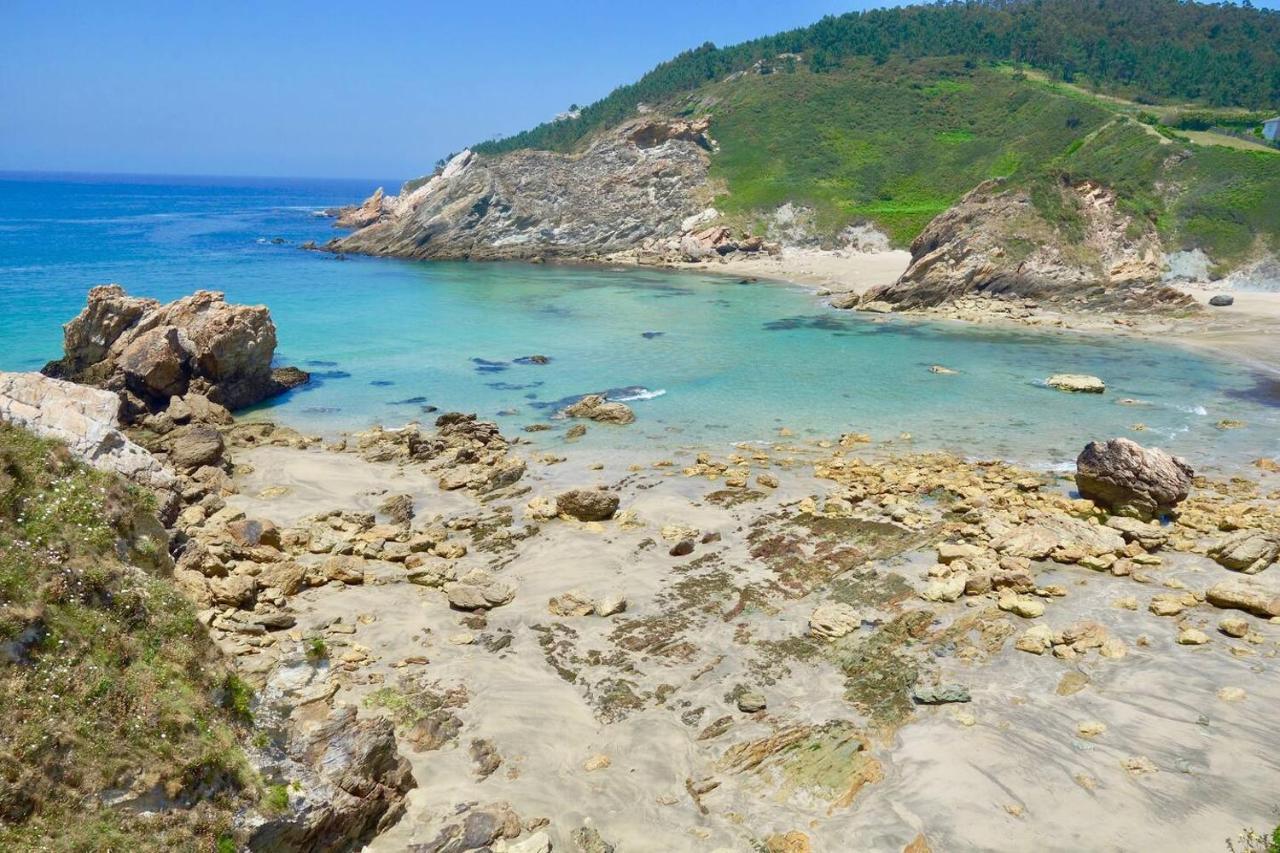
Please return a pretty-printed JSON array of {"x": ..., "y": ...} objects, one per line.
[
  {"x": 640, "y": 181},
  {"x": 149, "y": 353},
  {"x": 1053, "y": 243}
]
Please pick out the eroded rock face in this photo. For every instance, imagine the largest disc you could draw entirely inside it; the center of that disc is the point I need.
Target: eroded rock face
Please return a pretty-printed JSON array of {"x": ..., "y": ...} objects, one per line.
[
  {"x": 636, "y": 182},
  {"x": 86, "y": 419},
  {"x": 1130, "y": 479},
  {"x": 1247, "y": 551},
  {"x": 353, "y": 785},
  {"x": 148, "y": 352},
  {"x": 995, "y": 241}
]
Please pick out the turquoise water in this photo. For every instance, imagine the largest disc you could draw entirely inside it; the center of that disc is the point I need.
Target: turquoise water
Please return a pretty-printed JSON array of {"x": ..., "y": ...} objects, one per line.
[{"x": 707, "y": 360}]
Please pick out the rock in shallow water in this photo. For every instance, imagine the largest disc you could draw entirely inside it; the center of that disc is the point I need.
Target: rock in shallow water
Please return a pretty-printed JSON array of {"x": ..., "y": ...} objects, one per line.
[
  {"x": 1078, "y": 383},
  {"x": 149, "y": 352}
]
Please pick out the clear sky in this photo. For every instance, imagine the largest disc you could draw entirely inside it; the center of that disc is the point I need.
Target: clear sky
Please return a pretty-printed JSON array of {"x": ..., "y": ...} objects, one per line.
[{"x": 350, "y": 89}]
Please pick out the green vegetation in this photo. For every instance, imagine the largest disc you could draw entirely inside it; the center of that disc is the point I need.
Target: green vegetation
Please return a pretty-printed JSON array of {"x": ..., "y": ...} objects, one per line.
[
  {"x": 111, "y": 686},
  {"x": 893, "y": 115},
  {"x": 894, "y": 144},
  {"x": 1151, "y": 50}
]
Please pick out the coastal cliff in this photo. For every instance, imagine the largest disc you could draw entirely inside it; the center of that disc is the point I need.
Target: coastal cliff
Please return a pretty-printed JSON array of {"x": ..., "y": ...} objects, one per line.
[{"x": 637, "y": 182}]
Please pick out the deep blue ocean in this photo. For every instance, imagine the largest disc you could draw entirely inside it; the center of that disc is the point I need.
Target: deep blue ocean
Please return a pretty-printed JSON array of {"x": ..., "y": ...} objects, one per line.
[{"x": 705, "y": 359}]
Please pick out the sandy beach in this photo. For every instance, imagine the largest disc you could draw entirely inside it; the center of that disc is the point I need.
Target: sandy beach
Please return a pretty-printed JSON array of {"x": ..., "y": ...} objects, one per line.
[{"x": 632, "y": 723}]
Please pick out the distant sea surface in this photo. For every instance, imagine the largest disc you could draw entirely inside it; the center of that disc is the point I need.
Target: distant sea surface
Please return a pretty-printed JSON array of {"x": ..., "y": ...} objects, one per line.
[{"x": 703, "y": 359}]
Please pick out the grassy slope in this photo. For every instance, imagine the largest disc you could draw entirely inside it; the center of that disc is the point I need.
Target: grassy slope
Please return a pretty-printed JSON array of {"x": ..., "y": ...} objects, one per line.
[
  {"x": 123, "y": 690},
  {"x": 895, "y": 144}
]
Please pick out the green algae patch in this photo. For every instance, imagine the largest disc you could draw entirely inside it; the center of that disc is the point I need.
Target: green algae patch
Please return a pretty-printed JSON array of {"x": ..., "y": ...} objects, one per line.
[{"x": 827, "y": 762}]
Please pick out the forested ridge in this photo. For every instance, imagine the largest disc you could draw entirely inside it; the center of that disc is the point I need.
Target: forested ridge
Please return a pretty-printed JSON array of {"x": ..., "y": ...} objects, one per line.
[{"x": 1147, "y": 50}]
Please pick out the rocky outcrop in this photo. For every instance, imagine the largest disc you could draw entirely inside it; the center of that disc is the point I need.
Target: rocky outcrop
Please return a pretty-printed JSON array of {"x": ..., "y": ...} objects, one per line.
[
  {"x": 349, "y": 784},
  {"x": 86, "y": 419},
  {"x": 149, "y": 353},
  {"x": 636, "y": 182},
  {"x": 370, "y": 211},
  {"x": 1130, "y": 479},
  {"x": 997, "y": 241},
  {"x": 596, "y": 407}
]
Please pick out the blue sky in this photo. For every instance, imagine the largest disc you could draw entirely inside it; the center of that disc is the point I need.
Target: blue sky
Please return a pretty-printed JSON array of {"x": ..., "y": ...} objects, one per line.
[{"x": 378, "y": 89}]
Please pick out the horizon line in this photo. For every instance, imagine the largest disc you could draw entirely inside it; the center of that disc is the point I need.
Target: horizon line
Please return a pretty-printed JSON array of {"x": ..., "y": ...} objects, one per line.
[{"x": 5, "y": 173}]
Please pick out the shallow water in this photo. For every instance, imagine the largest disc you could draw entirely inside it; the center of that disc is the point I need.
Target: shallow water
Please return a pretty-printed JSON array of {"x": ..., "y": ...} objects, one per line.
[{"x": 707, "y": 360}]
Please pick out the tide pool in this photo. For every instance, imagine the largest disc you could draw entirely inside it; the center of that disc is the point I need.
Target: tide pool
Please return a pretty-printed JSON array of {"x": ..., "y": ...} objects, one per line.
[{"x": 703, "y": 359}]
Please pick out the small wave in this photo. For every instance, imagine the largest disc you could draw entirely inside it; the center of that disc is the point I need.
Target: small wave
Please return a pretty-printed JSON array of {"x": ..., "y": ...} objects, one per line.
[
  {"x": 633, "y": 394},
  {"x": 1193, "y": 410}
]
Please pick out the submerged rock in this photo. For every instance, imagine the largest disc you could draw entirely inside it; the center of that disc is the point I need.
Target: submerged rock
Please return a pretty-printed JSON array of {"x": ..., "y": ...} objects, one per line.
[{"x": 1130, "y": 479}]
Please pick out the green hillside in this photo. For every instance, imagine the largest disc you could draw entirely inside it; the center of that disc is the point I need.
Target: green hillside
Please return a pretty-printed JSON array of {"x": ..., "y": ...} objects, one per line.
[
  {"x": 897, "y": 143},
  {"x": 889, "y": 117},
  {"x": 1151, "y": 50}
]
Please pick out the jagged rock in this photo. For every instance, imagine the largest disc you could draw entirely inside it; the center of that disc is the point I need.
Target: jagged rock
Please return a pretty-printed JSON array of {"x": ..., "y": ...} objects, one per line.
[
  {"x": 595, "y": 407},
  {"x": 588, "y": 504},
  {"x": 398, "y": 508},
  {"x": 588, "y": 840},
  {"x": 347, "y": 784},
  {"x": 86, "y": 420},
  {"x": 366, "y": 214},
  {"x": 483, "y": 828},
  {"x": 150, "y": 352},
  {"x": 1247, "y": 551},
  {"x": 1130, "y": 479},
  {"x": 636, "y": 182}
]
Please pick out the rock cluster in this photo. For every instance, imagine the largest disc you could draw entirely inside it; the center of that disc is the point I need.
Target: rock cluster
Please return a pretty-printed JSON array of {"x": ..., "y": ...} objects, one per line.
[
  {"x": 149, "y": 353},
  {"x": 469, "y": 453}
]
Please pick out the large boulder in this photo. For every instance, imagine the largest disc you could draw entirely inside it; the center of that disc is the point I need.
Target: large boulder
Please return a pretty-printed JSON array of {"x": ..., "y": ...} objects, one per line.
[
  {"x": 1130, "y": 479},
  {"x": 149, "y": 352},
  {"x": 86, "y": 420}
]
